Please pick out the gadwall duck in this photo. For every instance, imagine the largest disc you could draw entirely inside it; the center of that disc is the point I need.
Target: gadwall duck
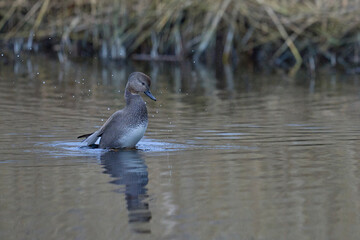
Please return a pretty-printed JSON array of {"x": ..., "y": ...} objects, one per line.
[{"x": 126, "y": 127}]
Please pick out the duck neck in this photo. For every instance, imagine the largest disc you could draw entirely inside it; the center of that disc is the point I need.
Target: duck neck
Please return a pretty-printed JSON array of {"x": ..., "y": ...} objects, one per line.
[
  {"x": 136, "y": 106},
  {"x": 132, "y": 98}
]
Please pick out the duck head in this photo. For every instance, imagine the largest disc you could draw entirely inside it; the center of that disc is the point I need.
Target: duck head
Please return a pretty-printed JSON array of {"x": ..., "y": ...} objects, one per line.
[{"x": 139, "y": 82}]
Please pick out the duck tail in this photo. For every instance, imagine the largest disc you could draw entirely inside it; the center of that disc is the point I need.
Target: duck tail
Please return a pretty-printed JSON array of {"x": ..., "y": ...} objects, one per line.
[
  {"x": 85, "y": 135},
  {"x": 91, "y": 138}
]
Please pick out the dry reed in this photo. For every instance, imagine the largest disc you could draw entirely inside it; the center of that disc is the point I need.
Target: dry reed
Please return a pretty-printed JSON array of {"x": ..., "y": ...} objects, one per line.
[{"x": 272, "y": 31}]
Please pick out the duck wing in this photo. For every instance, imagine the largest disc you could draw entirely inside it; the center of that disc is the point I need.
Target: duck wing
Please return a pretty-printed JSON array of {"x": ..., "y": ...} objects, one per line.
[{"x": 91, "y": 138}]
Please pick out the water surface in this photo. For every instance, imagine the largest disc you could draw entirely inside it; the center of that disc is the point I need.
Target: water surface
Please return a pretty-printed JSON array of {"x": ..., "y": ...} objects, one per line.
[{"x": 236, "y": 155}]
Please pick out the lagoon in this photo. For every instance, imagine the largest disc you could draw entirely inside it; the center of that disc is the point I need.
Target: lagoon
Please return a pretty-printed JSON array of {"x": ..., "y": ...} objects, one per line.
[{"x": 232, "y": 155}]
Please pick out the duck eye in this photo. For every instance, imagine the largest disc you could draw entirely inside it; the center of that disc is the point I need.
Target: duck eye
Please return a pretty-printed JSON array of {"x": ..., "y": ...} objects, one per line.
[{"x": 143, "y": 83}]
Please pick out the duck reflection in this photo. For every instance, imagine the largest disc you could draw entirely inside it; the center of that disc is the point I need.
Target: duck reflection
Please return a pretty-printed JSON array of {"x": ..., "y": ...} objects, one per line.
[{"x": 130, "y": 170}]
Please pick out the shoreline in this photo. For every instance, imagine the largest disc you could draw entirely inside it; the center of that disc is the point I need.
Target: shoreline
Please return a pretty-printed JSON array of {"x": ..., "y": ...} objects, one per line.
[{"x": 287, "y": 35}]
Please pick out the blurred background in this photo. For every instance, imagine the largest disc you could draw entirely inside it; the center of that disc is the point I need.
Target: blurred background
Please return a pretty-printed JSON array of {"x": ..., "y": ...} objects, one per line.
[{"x": 273, "y": 33}]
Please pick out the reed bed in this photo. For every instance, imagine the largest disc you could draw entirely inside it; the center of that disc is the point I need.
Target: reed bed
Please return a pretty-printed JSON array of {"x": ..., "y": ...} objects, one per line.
[{"x": 276, "y": 32}]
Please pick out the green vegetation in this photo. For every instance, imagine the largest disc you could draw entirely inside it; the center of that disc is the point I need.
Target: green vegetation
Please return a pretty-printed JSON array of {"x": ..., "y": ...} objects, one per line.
[{"x": 279, "y": 32}]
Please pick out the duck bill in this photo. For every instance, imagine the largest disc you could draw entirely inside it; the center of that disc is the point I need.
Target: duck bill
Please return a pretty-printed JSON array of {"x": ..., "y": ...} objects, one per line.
[{"x": 148, "y": 93}]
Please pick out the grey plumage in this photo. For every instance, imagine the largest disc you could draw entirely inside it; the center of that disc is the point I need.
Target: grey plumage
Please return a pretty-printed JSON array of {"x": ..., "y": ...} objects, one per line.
[{"x": 125, "y": 127}]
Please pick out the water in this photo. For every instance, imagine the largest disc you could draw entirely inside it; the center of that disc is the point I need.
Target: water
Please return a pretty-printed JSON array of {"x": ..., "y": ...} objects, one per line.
[{"x": 239, "y": 156}]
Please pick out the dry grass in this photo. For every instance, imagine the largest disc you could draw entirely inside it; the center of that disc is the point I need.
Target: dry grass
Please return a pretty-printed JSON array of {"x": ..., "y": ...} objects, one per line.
[{"x": 275, "y": 31}]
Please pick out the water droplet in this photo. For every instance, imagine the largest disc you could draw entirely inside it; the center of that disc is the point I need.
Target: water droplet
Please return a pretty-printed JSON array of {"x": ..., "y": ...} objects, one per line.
[
  {"x": 37, "y": 73},
  {"x": 18, "y": 55},
  {"x": 73, "y": 96},
  {"x": 152, "y": 115},
  {"x": 43, "y": 82},
  {"x": 2, "y": 54},
  {"x": 102, "y": 120},
  {"x": 157, "y": 111},
  {"x": 108, "y": 109},
  {"x": 89, "y": 90}
]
